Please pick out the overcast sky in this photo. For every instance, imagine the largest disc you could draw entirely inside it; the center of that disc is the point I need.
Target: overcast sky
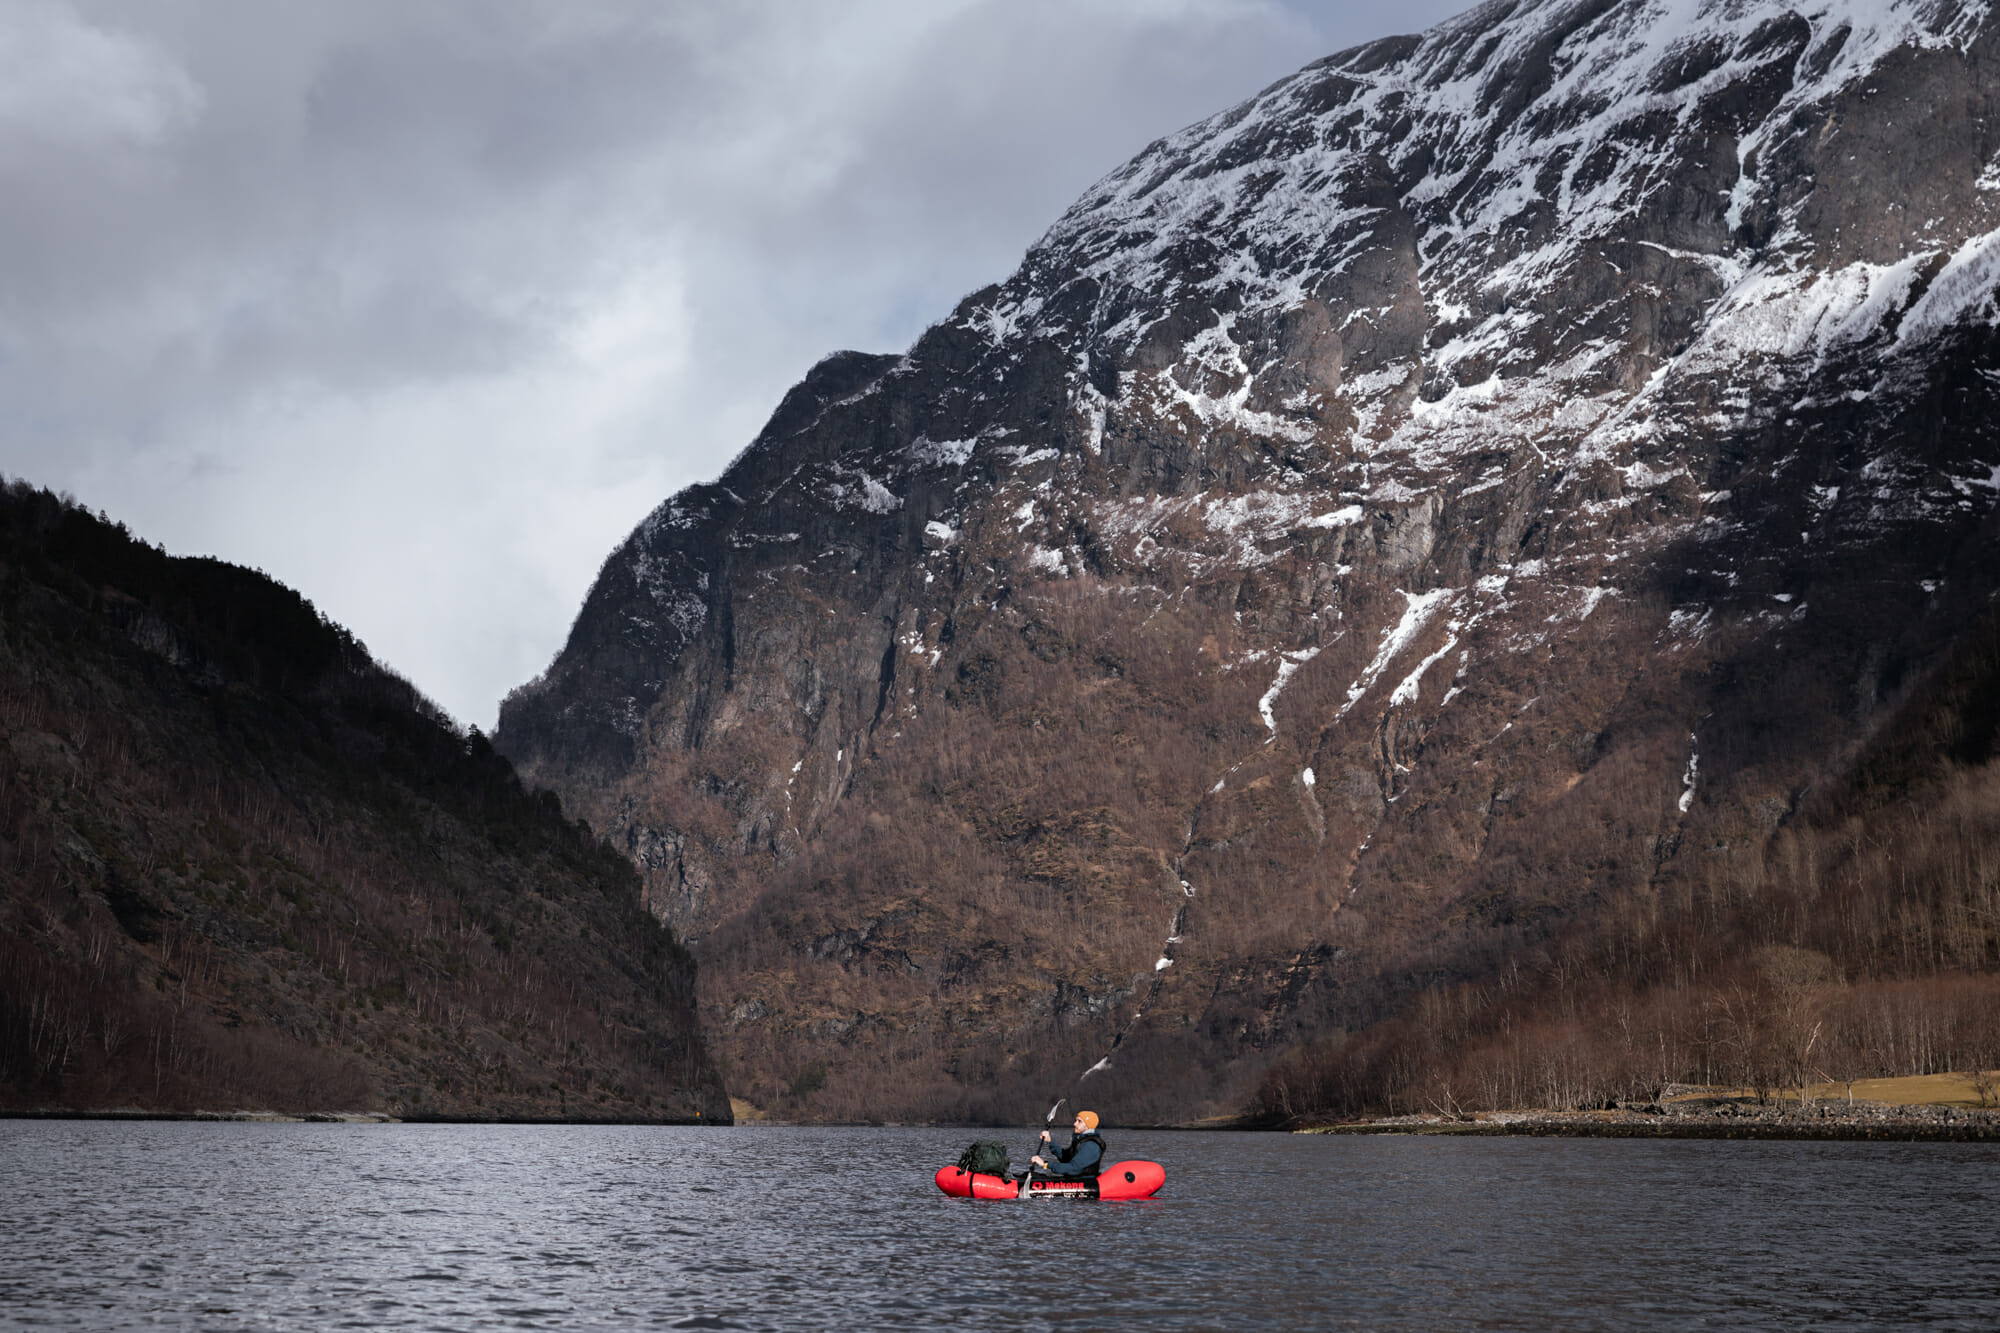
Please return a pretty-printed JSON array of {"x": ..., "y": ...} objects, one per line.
[{"x": 419, "y": 306}]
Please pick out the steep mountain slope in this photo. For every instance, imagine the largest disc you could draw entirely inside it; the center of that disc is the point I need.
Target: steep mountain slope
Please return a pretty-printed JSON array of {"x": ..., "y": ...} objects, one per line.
[
  {"x": 1487, "y": 481},
  {"x": 243, "y": 866}
]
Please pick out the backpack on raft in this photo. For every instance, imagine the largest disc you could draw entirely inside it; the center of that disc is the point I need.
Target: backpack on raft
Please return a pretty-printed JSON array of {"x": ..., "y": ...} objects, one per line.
[{"x": 986, "y": 1157}]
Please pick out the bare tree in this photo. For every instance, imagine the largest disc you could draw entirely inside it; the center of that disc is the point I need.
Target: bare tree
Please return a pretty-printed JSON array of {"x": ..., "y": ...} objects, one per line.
[{"x": 1798, "y": 980}]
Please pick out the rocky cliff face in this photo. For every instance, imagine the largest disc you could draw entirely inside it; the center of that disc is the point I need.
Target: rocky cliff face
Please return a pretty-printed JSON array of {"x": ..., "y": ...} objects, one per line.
[{"x": 1487, "y": 479}]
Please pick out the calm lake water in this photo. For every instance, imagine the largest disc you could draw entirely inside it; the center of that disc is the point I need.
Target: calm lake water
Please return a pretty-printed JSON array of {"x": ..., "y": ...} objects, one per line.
[{"x": 129, "y": 1225}]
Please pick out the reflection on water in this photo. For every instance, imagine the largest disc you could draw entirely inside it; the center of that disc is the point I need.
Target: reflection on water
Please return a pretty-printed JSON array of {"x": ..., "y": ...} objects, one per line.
[{"x": 119, "y": 1225}]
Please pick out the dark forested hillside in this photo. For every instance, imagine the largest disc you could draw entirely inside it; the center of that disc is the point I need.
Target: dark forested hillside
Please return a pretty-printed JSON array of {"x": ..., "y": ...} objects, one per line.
[{"x": 243, "y": 866}]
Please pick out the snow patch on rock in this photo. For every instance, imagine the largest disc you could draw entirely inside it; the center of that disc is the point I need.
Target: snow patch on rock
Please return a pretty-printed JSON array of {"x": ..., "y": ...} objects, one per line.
[{"x": 1418, "y": 608}]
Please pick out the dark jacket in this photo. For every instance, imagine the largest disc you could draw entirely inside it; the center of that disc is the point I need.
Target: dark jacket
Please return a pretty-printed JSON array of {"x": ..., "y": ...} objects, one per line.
[{"x": 1083, "y": 1156}]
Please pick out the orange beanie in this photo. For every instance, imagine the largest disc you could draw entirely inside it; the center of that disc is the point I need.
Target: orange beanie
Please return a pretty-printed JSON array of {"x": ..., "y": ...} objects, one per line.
[{"x": 1089, "y": 1119}]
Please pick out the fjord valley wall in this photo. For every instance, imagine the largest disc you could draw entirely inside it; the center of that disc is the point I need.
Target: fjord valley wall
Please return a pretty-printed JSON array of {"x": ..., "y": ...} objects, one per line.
[
  {"x": 1859, "y": 939},
  {"x": 244, "y": 867},
  {"x": 1445, "y": 548}
]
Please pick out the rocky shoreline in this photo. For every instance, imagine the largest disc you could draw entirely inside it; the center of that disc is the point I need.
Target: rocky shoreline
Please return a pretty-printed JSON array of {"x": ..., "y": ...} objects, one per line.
[{"x": 1706, "y": 1118}]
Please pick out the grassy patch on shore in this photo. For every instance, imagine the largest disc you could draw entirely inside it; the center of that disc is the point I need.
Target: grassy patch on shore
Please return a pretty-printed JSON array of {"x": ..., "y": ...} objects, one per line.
[
  {"x": 1915, "y": 1090},
  {"x": 1911, "y": 1090}
]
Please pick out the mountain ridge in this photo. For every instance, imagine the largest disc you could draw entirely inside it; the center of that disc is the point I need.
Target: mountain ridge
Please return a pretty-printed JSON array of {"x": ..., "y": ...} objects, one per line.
[{"x": 1636, "y": 414}]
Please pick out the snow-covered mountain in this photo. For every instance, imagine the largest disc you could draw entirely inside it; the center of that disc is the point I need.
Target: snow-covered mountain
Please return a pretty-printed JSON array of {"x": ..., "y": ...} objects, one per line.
[{"x": 1473, "y": 485}]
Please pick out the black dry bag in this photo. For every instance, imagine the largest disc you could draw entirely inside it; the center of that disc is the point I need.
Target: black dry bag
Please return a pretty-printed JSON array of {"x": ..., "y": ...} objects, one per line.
[{"x": 987, "y": 1157}]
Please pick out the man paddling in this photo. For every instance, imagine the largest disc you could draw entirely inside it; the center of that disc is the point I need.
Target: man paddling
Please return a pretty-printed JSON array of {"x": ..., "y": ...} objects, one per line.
[{"x": 1080, "y": 1160}]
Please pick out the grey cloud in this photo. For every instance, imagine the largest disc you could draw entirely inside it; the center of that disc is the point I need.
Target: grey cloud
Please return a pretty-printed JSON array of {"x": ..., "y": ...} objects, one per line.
[{"x": 420, "y": 306}]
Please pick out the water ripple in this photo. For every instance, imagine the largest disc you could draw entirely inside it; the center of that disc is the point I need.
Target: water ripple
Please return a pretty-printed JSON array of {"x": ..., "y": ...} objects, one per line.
[{"x": 124, "y": 1225}]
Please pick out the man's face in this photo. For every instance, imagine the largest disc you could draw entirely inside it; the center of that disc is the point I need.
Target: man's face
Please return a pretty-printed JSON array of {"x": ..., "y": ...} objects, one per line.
[{"x": 1077, "y": 1126}]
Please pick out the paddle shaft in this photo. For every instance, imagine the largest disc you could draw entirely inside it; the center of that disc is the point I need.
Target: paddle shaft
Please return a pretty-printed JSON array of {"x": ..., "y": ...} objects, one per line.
[{"x": 1048, "y": 1120}]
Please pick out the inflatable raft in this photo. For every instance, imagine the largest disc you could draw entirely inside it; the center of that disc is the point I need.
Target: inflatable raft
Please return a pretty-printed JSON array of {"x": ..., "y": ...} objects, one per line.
[{"x": 1120, "y": 1180}]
